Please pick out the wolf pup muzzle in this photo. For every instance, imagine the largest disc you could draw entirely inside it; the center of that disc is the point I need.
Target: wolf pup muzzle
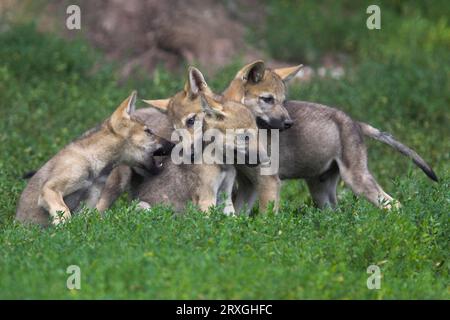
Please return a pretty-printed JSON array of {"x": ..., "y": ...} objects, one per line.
[{"x": 279, "y": 124}]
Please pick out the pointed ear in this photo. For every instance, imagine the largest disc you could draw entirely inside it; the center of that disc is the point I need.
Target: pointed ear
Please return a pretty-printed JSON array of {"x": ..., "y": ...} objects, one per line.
[
  {"x": 210, "y": 109},
  {"x": 287, "y": 74},
  {"x": 196, "y": 83},
  {"x": 253, "y": 72},
  {"x": 160, "y": 104},
  {"x": 126, "y": 108}
]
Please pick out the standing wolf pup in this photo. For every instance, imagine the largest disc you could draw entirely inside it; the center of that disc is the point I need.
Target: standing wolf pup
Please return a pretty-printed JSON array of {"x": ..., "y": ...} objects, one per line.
[
  {"x": 78, "y": 172},
  {"x": 323, "y": 144}
]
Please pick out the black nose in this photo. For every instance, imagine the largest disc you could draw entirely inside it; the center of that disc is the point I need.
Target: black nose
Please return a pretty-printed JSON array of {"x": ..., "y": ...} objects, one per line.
[
  {"x": 165, "y": 149},
  {"x": 288, "y": 123}
]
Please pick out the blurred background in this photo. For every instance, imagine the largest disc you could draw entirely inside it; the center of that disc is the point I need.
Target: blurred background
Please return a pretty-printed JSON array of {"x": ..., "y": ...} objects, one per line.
[
  {"x": 141, "y": 35},
  {"x": 55, "y": 83}
]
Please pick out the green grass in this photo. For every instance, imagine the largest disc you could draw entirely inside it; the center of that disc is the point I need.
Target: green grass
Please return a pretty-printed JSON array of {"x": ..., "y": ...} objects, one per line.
[
  {"x": 309, "y": 29},
  {"x": 51, "y": 91}
]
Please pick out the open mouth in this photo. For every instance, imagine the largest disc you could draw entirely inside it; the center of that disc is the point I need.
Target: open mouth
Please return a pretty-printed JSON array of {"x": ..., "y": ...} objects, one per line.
[
  {"x": 157, "y": 166},
  {"x": 165, "y": 149},
  {"x": 153, "y": 167}
]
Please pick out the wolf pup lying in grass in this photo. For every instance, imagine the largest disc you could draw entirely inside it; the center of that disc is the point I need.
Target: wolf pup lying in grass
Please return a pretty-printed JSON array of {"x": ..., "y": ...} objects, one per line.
[
  {"x": 78, "y": 172},
  {"x": 323, "y": 144}
]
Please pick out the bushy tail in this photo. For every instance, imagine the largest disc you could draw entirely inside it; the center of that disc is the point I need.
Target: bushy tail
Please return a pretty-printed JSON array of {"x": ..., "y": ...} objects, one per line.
[{"x": 387, "y": 138}]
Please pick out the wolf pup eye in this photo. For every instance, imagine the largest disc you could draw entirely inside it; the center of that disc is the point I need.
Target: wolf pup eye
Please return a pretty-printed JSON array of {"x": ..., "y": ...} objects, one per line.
[
  {"x": 190, "y": 121},
  {"x": 148, "y": 131},
  {"x": 268, "y": 99}
]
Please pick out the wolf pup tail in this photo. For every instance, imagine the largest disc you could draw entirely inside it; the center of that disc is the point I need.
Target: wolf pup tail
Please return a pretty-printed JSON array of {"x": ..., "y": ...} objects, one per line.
[
  {"x": 387, "y": 138},
  {"x": 28, "y": 175}
]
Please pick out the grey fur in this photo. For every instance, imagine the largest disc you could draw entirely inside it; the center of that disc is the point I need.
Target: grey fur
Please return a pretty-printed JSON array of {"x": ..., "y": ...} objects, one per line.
[
  {"x": 325, "y": 143},
  {"x": 387, "y": 138}
]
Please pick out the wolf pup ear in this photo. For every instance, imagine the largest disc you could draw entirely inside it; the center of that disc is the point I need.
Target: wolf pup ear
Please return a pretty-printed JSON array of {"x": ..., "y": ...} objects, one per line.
[
  {"x": 252, "y": 72},
  {"x": 196, "y": 83},
  {"x": 160, "y": 104},
  {"x": 287, "y": 74},
  {"x": 131, "y": 105},
  {"x": 124, "y": 111},
  {"x": 127, "y": 107}
]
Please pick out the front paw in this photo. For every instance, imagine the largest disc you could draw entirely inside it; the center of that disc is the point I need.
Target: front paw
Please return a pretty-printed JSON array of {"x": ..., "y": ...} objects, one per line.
[
  {"x": 144, "y": 205},
  {"x": 61, "y": 218},
  {"x": 391, "y": 204}
]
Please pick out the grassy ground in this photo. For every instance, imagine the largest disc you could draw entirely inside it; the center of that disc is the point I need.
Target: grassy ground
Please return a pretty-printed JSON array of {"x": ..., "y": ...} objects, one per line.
[{"x": 51, "y": 91}]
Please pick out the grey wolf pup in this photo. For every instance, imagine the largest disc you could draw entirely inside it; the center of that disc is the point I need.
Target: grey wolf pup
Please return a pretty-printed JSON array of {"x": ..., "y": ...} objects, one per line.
[{"x": 323, "y": 144}]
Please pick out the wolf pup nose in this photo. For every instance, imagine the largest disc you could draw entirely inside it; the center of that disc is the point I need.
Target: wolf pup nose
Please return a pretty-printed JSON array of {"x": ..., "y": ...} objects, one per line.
[{"x": 288, "y": 123}]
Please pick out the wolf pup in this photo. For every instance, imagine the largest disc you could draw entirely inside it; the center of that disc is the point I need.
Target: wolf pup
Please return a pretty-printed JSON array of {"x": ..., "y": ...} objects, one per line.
[
  {"x": 78, "y": 172},
  {"x": 323, "y": 144},
  {"x": 177, "y": 184}
]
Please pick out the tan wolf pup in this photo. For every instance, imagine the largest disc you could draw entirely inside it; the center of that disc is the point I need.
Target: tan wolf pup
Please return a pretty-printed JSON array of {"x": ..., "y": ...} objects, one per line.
[
  {"x": 78, "y": 172},
  {"x": 323, "y": 144}
]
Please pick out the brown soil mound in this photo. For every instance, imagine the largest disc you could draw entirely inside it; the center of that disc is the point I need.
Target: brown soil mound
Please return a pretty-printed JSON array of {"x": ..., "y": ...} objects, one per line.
[{"x": 148, "y": 33}]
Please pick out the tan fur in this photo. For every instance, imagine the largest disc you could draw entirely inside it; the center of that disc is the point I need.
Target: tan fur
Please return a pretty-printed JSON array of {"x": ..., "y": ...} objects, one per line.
[
  {"x": 251, "y": 86},
  {"x": 78, "y": 172},
  {"x": 288, "y": 73}
]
